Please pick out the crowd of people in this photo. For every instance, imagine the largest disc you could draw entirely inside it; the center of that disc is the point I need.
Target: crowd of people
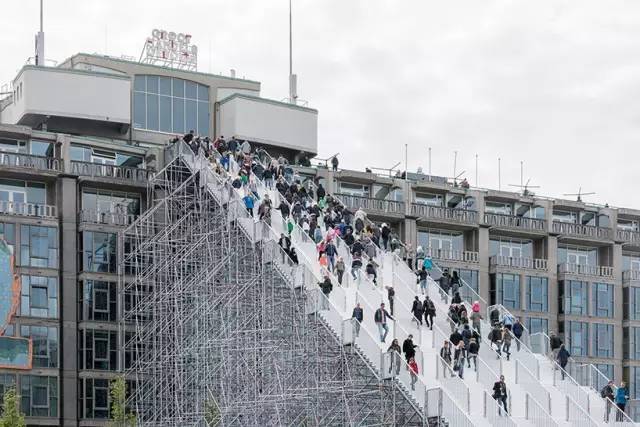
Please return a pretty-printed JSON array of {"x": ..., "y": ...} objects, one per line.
[{"x": 312, "y": 209}]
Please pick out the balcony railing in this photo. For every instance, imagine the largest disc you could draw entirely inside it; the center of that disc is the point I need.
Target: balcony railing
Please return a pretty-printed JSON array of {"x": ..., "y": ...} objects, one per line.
[
  {"x": 107, "y": 218},
  {"x": 462, "y": 216},
  {"x": 37, "y": 210},
  {"x": 628, "y": 236},
  {"x": 579, "y": 230},
  {"x": 515, "y": 222},
  {"x": 630, "y": 275},
  {"x": 586, "y": 270},
  {"x": 97, "y": 170},
  {"x": 30, "y": 161},
  {"x": 517, "y": 262},
  {"x": 452, "y": 255},
  {"x": 371, "y": 203}
]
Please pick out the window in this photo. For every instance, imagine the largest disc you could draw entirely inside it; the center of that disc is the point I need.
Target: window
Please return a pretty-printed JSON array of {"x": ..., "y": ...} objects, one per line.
[
  {"x": 170, "y": 105},
  {"x": 106, "y": 201},
  {"x": 506, "y": 290},
  {"x": 631, "y": 297},
  {"x": 602, "y": 340},
  {"x": 12, "y": 146},
  {"x": 98, "y": 301},
  {"x": 354, "y": 189},
  {"x": 628, "y": 224},
  {"x": 537, "y": 294},
  {"x": 565, "y": 216},
  {"x": 602, "y": 300},
  {"x": 429, "y": 199},
  {"x": 99, "y": 252},
  {"x": 17, "y": 191},
  {"x": 439, "y": 243},
  {"x": 514, "y": 248},
  {"x": 38, "y": 246},
  {"x": 94, "y": 398},
  {"x": 632, "y": 378},
  {"x": 98, "y": 350},
  {"x": 498, "y": 208},
  {"x": 92, "y": 155},
  {"x": 630, "y": 262},
  {"x": 470, "y": 277},
  {"x": 606, "y": 370},
  {"x": 41, "y": 148},
  {"x": 45, "y": 345},
  {"x": 131, "y": 350},
  {"x": 8, "y": 233},
  {"x": 631, "y": 339},
  {"x": 575, "y": 297},
  {"x": 39, "y": 396},
  {"x": 578, "y": 338},
  {"x": 577, "y": 255},
  {"x": 39, "y": 296},
  {"x": 536, "y": 325}
]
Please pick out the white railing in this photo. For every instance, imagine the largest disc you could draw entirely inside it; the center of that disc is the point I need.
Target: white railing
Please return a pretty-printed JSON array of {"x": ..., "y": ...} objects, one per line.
[
  {"x": 629, "y": 275},
  {"x": 450, "y": 380},
  {"x": 577, "y": 416},
  {"x": 627, "y": 236},
  {"x": 535, "y": 413},
  {"x": 533, "y": 386},
  {"x": 452, "y": 255},
  {"x": 439, "y": 404},
  {"x": 518, "y": 262},
  {"x": 580, "y": 230},
  {"x": 526, "y": 357},
  {"x": 515, "y": 222},
  {"x": 371, "y": 203},
  {"x": 494, "y": 412},
  {"x": 586, "y": 270},
  {"x": 93, "y": 216},
  {"x": 125, "y": 173},
  {"x": 30, "y": 161},
  {"x": 38, "y": 210}
]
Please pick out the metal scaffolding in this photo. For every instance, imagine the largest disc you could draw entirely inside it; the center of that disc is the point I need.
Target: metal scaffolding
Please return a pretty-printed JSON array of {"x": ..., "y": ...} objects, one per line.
[{"x": 224, "y": 332}]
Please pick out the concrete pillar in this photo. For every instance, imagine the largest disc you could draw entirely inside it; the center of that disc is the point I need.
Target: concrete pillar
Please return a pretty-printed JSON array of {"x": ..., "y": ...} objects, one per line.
[
  {"x": 68, "y": 210},
  {"x": 552, "y": 264},
  {"x": 410, "y": 232},
  {"x": 64, "y": 146},
  {"x": 483, "y": 266}
]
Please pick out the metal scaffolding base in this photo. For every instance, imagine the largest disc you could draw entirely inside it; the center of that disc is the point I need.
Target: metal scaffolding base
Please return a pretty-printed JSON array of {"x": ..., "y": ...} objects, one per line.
[{"x": 222, "y": 338}]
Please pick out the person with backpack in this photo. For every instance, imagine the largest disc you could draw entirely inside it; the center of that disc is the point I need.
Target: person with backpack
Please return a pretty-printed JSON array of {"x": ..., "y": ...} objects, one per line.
[
  {"x": 391, "y": 293},
  {"x": 340, "y": 269},
  {"x": 494, "y": 317},
  {"x": 358, "y": 316},
  {"x": 472, "y": 353},
  {"x": 466, "y": 339},
  {"x": 476, "y": 317},
  {"x": 445, "y": 355},
  {"x": 455, "y": 283},
  {"x": 326, "y": 287},
  {"x": 331, "y": 251},
  {"x": 409, "y": 348},
  {"x": 554, "y": 343},
  {"x": 458, "y": 359},
  {"x": 429, "y": 310},
  {"x": 416, "y": 309},
  {"x": 506, "y": 342},
  {"x": 445, "y": 284},
  {"x": 500, "y": 394},
  {"x": 517, "y": 330},
  {"x": 608, "y": 394},
  {"x": 422, "y": 279},
  {"x": 495, "y": 336}
]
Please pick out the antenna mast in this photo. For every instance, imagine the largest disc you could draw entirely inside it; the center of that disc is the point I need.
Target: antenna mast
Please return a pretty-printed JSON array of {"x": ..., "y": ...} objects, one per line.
[
  {"x": 40, "y": 40},
  {"x": 293, "y": 79}
]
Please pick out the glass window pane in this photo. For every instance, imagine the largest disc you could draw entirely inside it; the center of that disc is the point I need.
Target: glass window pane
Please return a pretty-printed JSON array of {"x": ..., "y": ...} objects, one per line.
[
  {"x": 165, "y": 114},
  {"x": 152, "y": 84},
  {"x": 178, "y": 114},
  {"x": 191, "y": 90},
  {"x": 178, "y": 88},
  {"x": 165, "y": 86},
  {"x": 191, "y": 115},
  {"x": 139, "y": 111},
  {"x": 139, "y": 83},
  {"x": 203, "y": 93},
  {"x": 152, "y": 112},
  {"x": 203, "y": 118}
]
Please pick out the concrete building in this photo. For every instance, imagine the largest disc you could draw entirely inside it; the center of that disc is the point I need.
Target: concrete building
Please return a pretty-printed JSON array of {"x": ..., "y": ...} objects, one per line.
[{"x": 78, "y": 143}]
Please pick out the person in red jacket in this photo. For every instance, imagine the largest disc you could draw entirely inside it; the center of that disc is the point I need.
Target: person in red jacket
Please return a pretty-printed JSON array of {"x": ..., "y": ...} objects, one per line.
[{"x": 413, "y": 368}]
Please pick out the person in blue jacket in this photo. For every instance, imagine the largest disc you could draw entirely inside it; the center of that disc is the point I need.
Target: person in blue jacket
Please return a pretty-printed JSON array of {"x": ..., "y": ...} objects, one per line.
[{"x": 622, "y": 395}]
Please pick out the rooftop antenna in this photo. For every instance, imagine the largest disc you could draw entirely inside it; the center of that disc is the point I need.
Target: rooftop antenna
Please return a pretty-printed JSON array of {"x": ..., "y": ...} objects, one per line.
[
  {"x": 293, "y": 79},
  {"x": 579, "y": 194},
  {"x": 455, "y": 161},
  {"x": 525, "y": 187},
  {"x": 40, "y": 40},
  {"x": 429, "y": 160},
  {"x": 456, "y": 177},
  {"x": 499, "y": 176}
]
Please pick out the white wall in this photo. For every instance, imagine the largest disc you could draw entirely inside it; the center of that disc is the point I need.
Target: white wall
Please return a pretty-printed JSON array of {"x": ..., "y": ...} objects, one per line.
[
  {"x": 65, "y": 93},
  {"x": 270, "y": 122},
  {"x": 224, "y": 92}
]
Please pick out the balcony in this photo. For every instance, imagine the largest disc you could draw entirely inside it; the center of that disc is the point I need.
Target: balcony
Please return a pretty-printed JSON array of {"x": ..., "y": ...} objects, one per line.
[
  {"x": 439, "y": 213},
  {"x": 452, "y": 255},
  {"x": 518, "y": 223},
  {"x": 582, "y": 231},
  {"x": 517, "y": 262},
  {"x": 371, "y": 204},
  {"x": 89, "y": 216},
  {"x": 30, "y": 161},
  {"x": 630, "y": 276},
  {"x": 35, "y": 210},
  {"x": 585, "y": 270},
  {"x": 131, "y": 175},
  {"x": 630, "y": 237}
]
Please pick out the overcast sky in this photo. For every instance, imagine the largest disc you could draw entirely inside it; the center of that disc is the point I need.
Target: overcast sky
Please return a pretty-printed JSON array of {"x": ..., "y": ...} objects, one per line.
[{"x": 555, "y": 83}]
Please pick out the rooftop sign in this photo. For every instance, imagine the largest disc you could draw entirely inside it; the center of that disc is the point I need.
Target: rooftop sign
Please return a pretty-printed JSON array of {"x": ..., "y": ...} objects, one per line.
[{"x": 170, "y": 49}]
